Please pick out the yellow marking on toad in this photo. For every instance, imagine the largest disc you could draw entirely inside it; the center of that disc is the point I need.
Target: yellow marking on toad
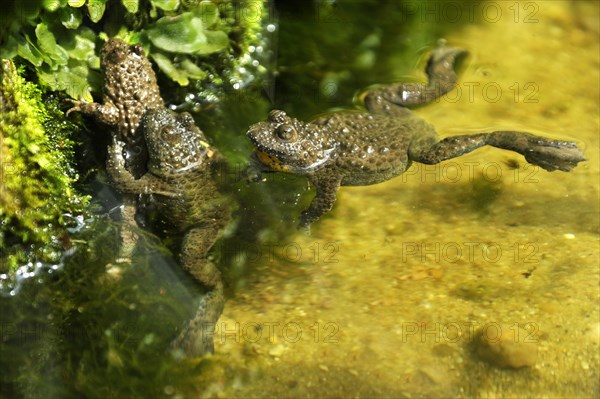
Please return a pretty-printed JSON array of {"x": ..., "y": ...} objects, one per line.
[{"x": 271, "y": 161}]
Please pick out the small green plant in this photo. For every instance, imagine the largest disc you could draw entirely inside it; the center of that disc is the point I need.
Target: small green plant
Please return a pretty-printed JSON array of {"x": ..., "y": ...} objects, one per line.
[{"x": 61, "y": 38}]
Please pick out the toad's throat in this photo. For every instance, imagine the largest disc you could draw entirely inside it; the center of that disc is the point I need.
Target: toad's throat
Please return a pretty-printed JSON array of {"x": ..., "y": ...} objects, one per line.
[
  {"x": 272, "y": 162},
  {"x": 276, "y": 164}
]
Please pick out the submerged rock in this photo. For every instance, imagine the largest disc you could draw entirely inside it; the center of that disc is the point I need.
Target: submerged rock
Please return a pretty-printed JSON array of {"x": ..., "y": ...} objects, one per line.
[{"x": 506, "y": 345}]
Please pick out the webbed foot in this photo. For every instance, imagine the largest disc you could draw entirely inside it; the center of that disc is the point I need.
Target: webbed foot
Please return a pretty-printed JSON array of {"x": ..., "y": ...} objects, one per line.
[
  {"x": 76, "y": 106},
  {"x": 442, "y": 60},
  {"x": 555, "y": 155},
  {"x": 323, "y": 201},
  {"x": 547, "y": 153},
  {"x": 197, "y": 337}
]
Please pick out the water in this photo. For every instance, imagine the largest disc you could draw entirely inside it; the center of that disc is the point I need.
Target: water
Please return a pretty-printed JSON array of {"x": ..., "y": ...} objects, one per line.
[{"x": 384, "y": 296}]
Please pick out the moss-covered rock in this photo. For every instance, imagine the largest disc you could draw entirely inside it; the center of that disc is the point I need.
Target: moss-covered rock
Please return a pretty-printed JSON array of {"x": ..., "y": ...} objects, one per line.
[{"x": 36, "y": 185}]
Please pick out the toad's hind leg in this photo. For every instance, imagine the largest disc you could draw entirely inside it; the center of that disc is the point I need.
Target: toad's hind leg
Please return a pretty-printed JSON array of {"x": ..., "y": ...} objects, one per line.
[
  {"x": 541, "y": 151},
  {"x": 196, "y": 339},
  {"x": 442, "y": 78}
]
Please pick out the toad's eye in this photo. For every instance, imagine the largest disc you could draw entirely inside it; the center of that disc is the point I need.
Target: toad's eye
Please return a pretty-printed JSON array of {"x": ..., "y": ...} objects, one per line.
[
  {"x": 286, "y": 132},
  {"x": 168, "y": 134}
]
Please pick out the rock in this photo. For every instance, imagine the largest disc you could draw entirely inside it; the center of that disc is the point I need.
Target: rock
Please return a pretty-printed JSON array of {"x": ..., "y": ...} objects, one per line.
[{"x": 506, "y": 345}]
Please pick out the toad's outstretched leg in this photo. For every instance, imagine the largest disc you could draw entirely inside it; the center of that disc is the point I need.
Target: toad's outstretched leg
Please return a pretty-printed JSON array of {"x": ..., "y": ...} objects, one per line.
[
  {"x": 541, "y": 151},
  {"x": 196, "y": 338},
  {"x": 442, "y": 78},
  {"x": 127, "y": 183}
]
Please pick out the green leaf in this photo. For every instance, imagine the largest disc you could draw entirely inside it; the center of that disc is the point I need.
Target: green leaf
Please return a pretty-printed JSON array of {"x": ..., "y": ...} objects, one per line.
[
  {"x": 76, "y": 3},
  {"x": 71, "y": 17},
  {"x": 215, "y": 41},
  {"x": 81, "y": 49},
  {"x": 96, "y": 9},
  {"x": 87, "y": 33},
  {"x": 131, "y": 5},
  {"x": 48, "y": 44},
  {"x": 169, "y": 69},
  {"x": 72, "y": 79},
  {"x": 53, "y": 5},
  {"x": 94, "y": 62},
  {"x": 167, "y": 5},
  {"x": 192, "y": 70},
  {"x": 28, "y": 51},
  {"x": 25, "y": 51},
  {"x": 185, "y": 33},
  {"x": 46, "y": 39}
]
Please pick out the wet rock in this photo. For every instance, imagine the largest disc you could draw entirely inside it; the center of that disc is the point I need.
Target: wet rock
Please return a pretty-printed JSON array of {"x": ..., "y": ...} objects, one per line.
[{"x": 506, "y": 345}]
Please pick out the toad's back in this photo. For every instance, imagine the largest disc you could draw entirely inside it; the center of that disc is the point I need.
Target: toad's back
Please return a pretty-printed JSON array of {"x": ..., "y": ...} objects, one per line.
[
  {"x": 129, "y": 85},
  {"x": 371, "y": 148}
]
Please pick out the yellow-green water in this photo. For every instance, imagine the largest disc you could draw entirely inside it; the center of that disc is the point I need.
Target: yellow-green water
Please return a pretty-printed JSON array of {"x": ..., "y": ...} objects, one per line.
[{"x": 387, "y": 290}]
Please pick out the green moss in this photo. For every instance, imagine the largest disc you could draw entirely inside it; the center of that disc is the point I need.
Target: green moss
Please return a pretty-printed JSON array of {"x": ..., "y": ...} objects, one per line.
[{"x": 36, "y": 186}]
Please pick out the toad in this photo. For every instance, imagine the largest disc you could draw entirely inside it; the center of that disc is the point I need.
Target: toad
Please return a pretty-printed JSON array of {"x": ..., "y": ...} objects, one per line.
[
  {"x": 129, "y": 89},
  {"x": 163, "y": 160},
  {"x": 180, "y": 185},
  {"x": 362, "y": 148}
]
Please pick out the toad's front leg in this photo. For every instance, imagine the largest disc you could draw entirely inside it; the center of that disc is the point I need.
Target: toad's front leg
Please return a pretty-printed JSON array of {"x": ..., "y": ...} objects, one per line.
[
  {"x": 324, "y": 199},
  {"x": 106, "y": 113},
  {"x": 122, "y": 179},
  {"x": 125, "y": 182}
]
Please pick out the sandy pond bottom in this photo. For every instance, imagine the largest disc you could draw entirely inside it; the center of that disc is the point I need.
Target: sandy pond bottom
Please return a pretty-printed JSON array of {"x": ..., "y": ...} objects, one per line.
[{"x": 384, "y": 297}]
